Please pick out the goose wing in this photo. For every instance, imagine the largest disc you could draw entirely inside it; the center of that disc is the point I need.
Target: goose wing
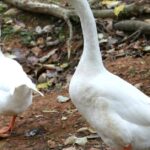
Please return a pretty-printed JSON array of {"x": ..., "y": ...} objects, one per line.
[{"x": 126, "y": 100}]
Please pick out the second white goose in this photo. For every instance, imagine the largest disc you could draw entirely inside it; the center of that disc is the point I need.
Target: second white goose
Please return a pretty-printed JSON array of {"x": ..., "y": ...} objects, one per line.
[{"x": 15, "y": 91}]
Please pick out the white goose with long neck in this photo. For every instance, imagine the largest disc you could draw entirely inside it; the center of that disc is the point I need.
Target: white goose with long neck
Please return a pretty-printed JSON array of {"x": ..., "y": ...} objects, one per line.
[{"x": 118, "y": 111}]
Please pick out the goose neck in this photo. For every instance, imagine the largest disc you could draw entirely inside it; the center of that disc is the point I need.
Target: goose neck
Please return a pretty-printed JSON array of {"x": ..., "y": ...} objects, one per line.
[{"x": 91, "y": 53}]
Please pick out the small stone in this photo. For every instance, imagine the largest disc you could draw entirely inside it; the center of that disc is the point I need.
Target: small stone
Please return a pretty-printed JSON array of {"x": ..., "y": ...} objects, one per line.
[
  {"x": 81, "y": 141},
  {"x": 34, "y": 132},
  {"x": 100, "y": 36},
  {"x": 38, "y": 29},
  {"x": 47, "y": 28},
  {"x": 42, "y": 78},
  {"x": 147, "y": 48},
  {"x": 64, "y": 118},
  {"x": 62, "y": 99}
]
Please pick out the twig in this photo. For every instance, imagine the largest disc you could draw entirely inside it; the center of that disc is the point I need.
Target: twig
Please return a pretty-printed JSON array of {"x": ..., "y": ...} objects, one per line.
[
  {"x": 134, "y": 35},
  {"x": 70, "y": 36}
]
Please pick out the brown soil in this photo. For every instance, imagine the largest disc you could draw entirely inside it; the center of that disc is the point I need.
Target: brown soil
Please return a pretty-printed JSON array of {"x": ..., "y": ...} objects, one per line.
[{"x": 41, "y": 127}]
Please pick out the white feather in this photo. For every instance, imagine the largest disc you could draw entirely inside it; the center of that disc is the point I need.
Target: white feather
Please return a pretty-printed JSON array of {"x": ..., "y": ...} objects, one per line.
[
  {"x": 118, "y": 111},
  {"x": 15, "y": 87}
]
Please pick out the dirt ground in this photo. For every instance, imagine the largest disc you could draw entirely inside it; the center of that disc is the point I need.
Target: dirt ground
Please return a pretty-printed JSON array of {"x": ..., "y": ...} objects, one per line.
[{"x": 48, "y": 123}]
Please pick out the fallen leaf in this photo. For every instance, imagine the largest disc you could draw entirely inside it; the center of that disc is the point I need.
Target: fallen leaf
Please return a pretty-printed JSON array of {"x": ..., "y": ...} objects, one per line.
[
  {"x": 81, "y": 141},
  {"x": 69, "y": 148},
  {"x": 36, "y": 51},
  {"x": 17, "y": 28},
  {"x": 119, "y": 9},
  {"x": 138, "y": 85},
  {"x": 40, "y": 41},
  {"x": 50, "y": 66},
  {"x": 47, "y": 56},
  {"x": 12, "y": 12},
  {"x": 64, "y": 65},
  {"x": 45, "y": 85},
  {"x": 75, "y": 140},
  {"x": 51, "y": 144},
  {"x": 70, "y": 140}
]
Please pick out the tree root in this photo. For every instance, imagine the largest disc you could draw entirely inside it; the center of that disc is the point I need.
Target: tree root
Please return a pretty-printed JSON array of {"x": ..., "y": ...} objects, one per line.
[
  {"x": 133, "y": 25},
  {"x": 67, "y": 13}
]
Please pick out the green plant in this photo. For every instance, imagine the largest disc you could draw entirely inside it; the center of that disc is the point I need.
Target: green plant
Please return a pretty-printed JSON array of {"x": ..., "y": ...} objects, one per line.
[
  {"x": 7, "y": 31},
  {"x": 27, "y": 37},
  {"x": 2, "y": 7}
]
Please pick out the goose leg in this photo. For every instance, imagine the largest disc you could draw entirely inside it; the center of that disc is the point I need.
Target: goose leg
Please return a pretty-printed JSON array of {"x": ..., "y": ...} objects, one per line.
[
  {"x": 129, "y": 147},
  {"x": 4, "y": 132}
]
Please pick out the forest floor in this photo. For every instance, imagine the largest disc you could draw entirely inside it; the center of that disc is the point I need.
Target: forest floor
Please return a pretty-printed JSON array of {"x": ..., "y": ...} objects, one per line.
[{"x": 49, "y": 124}]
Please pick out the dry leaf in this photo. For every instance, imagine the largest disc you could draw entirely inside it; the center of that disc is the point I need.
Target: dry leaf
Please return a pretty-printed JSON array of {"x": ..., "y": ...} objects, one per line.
[
  {"x": 86, "y": 129},
  {"x": 110, "y": 3},
  {"x": 119, "y": 9},
  {"x": 75, "y": 140}
]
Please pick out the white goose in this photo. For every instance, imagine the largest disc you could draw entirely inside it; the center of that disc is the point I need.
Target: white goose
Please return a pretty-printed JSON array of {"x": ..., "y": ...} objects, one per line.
[
  {"x": 15, "y": 91},
  {"x": 118, "y": 111}
]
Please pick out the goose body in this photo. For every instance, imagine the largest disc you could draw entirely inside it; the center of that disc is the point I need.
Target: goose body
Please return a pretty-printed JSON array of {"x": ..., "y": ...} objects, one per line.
[
  {"x": 118, "y": 111},
  {"x": 15, "y": 88}
]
